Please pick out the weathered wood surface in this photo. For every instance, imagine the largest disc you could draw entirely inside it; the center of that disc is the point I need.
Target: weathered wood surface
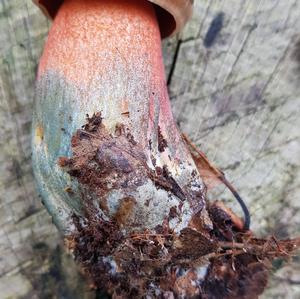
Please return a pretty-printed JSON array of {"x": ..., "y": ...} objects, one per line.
[{"x": 236, "y": 93}]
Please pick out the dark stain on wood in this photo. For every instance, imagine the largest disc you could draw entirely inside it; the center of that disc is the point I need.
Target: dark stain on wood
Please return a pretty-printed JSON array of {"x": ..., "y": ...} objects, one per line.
[
  {"x": 296, "y": 54},
  {"x": 16, "y": 170},
  {"x": 214, "y": 30}
]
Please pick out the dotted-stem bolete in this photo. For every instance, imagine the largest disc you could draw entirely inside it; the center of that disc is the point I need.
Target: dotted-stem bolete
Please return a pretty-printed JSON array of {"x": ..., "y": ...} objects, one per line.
[{"x": 112, "y": 168}]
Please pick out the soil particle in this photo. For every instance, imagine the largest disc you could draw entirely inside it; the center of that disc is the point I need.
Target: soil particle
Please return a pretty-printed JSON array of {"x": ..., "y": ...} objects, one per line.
[
  {"x": 125, "y": 211},
  {"x": 162, "y": 142},
  {"x": 173, "y": 213},
  {"x": 110, "y": 157}
]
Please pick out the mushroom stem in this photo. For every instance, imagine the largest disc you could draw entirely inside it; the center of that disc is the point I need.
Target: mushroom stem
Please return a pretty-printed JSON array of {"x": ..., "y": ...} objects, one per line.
[{"x": 105, "y": 56}]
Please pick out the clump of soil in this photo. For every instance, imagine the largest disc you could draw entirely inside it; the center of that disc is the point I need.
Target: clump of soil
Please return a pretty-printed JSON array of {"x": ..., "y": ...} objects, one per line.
[{"x": 219, "y": 261}]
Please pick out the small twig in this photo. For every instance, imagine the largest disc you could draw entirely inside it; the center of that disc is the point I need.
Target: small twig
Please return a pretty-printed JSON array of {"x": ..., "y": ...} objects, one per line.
[
  {"x": 88, "y": 134},
  {"x": 136, "y": 236}
]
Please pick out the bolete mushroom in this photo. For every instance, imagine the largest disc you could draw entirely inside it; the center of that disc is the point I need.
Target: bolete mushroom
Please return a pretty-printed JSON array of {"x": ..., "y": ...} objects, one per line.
[{"x": 110, "y": 163}]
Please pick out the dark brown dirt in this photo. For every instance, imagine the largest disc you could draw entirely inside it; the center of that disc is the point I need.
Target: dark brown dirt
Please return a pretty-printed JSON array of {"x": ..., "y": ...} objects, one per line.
[
  {"x": 162, "y": 142},
  {"x": 199, "y": 262},
  {"x": 151, "y": 264}
]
